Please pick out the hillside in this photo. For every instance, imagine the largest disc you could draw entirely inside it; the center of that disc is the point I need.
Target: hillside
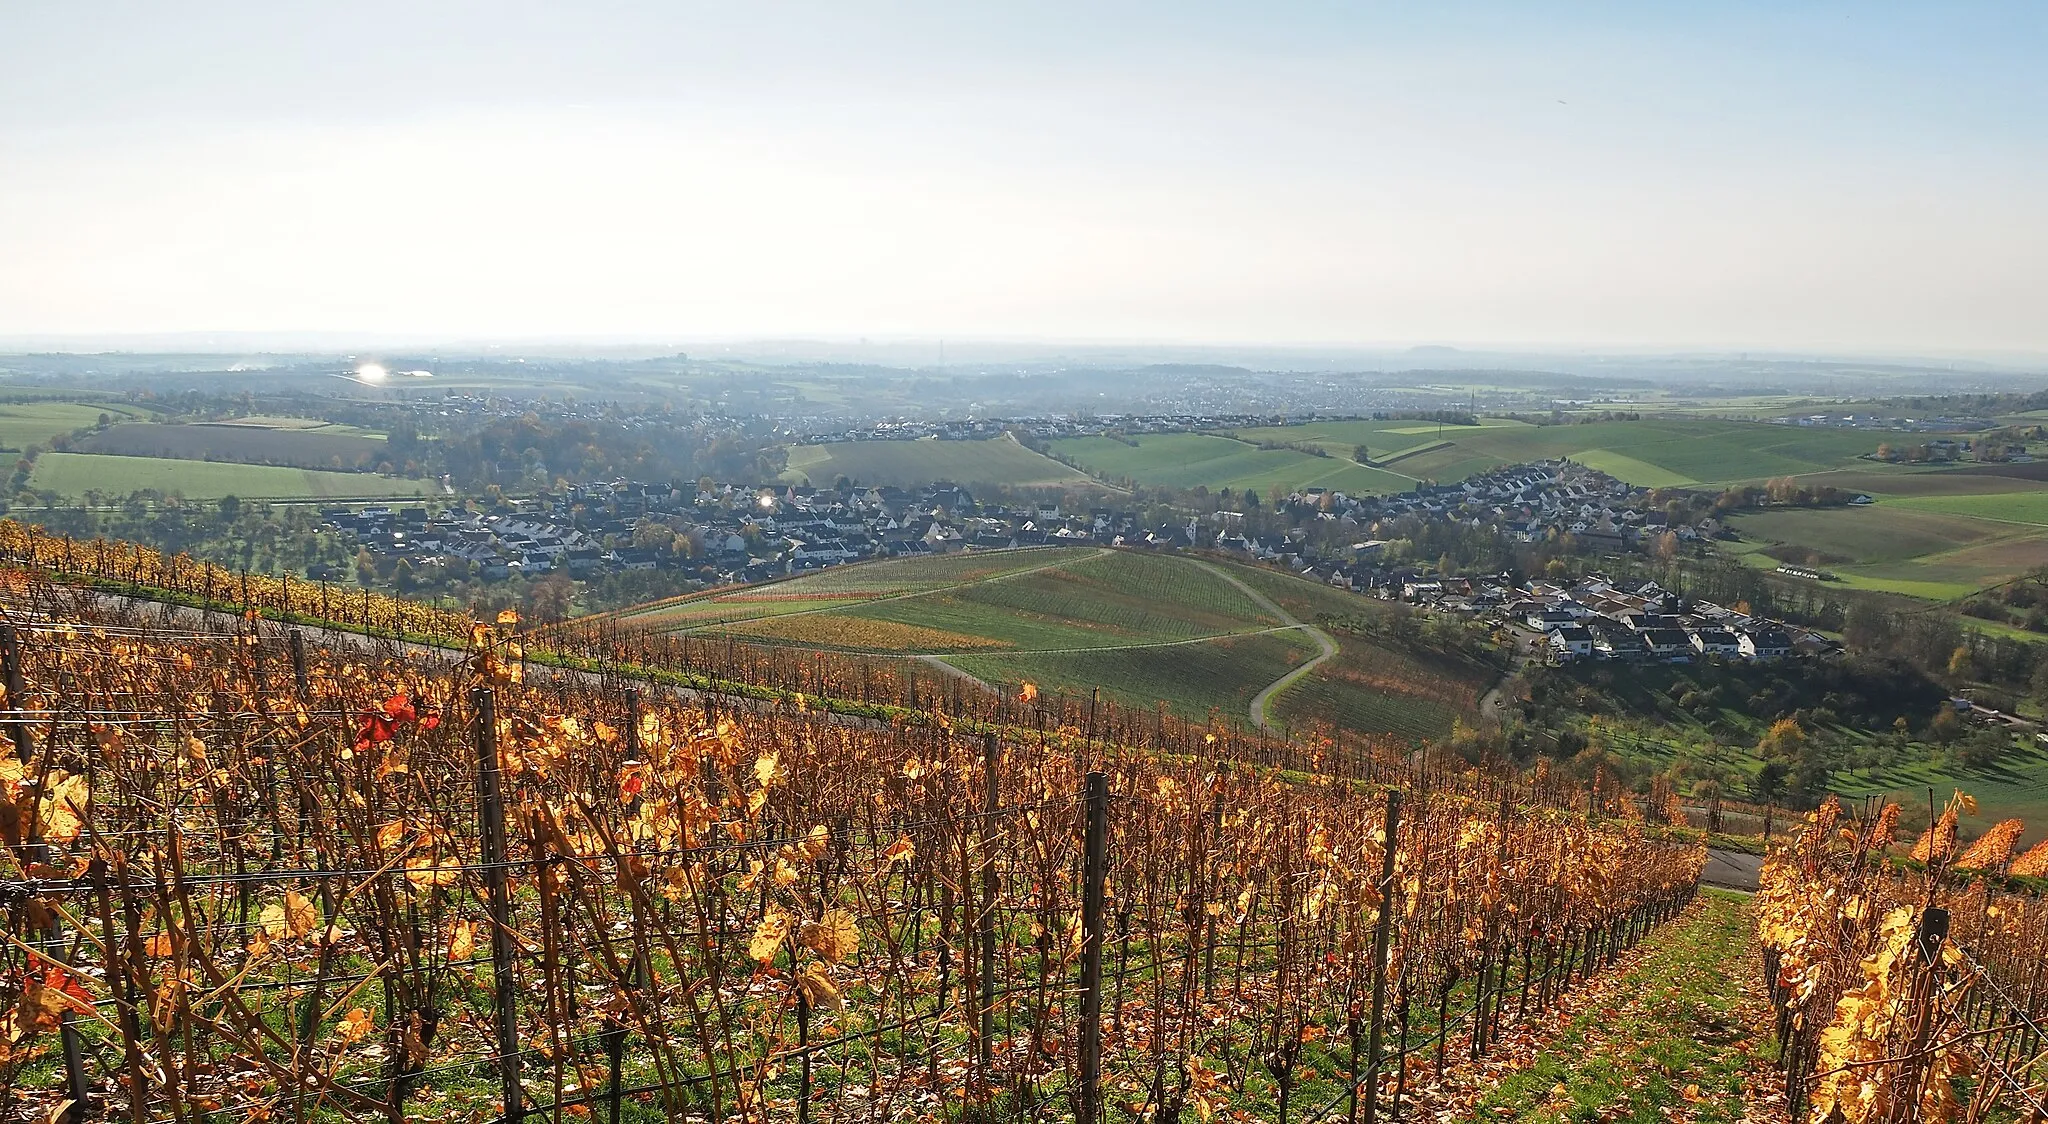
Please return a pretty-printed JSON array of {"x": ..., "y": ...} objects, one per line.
[
  {"x": 1938, "y": 533},
  {"x": 1653, "y": 452},
  {"x": 514, "y": 842},
  {"x": 1146, "y": 629},
  {"x": 74, "y": 474},
  {"x": 999, "y": 460}
]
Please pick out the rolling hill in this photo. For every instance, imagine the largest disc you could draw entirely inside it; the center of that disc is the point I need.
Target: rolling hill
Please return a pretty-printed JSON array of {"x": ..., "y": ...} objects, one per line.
[
  {"x": 999, "y": 460},
  {"x": 1146, "y": 628},
  {"x": 1653, "y": 452}
]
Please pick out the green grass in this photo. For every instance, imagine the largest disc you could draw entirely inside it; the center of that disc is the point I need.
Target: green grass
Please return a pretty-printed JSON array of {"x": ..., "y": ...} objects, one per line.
[
  {"x": 1369, "y": 686},
  {"x": 1653, "y": 452},
  {"x": 34, "y": 423},
  {"x": 1681, "y": 1018},
  {"x": 1188, "y": 460},
  {"x": 1115, "y": 600},
  {"x": 1144, "y": 627},
  {"x": 73, "y": 474},
  {"x": 1623, "y": 467},
  {"x": 2029, "y": 507},
  {"x": 2014, "y": 788},
  {"x": 1919, "y": 548},
  {"x": 999, "y": 460}
]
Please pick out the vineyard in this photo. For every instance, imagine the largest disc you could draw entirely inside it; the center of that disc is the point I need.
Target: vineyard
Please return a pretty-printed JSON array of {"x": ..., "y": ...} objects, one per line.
[
  {"x": 843, "y": 683},
  {"x": 250, "y": 876},
  {"x": 1907, "y": 991}
]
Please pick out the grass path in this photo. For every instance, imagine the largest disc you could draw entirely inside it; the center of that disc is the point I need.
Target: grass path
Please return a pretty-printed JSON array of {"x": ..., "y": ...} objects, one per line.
[
  {"x": 1327, "y": 646},
  {"x": 1679, "y": 1030}
]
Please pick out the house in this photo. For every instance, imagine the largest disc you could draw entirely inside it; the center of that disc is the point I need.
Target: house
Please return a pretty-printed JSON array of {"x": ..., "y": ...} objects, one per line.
[
  {"x": 1572, "y": 642},
  {"x": 1715, "y": 642},
  {"x": 1545, "y": 620},
  {"x": 1766, "y": 644},
  {"x": 1667, "y": 643}
]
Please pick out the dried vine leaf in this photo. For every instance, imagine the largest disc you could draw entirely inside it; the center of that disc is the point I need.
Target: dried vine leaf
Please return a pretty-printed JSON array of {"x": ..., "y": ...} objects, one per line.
[{"x": 835, "y": 937}]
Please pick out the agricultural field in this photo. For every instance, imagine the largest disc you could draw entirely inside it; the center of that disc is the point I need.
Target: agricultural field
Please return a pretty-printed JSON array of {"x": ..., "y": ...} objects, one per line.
[
  {"x": 1188, "y": 460},
  {"x": 1144, "y": 627},
  {"x": 999, "y": 460},
  {"x": 73, "y": 474},
  {"x": 1654, "y": 452},
  {"x": 2028, "y": 507},
  {"x": 1371, "y": 685},
  {"x": 1936, "y": 533},
  {"x": 1192, "y": 680},
  {"x": 316, "y": 446},
  {"x": 34, "y": 423},
  {"x": 842, "y": 587}
]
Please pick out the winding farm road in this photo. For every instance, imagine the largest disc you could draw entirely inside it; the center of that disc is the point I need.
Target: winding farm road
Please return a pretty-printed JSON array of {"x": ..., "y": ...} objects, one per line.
[{"x": 1328, "y": 646}]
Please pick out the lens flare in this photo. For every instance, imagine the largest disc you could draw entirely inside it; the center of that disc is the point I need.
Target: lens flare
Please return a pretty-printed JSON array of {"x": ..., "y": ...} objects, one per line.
[{"x": 372, "y": 372}]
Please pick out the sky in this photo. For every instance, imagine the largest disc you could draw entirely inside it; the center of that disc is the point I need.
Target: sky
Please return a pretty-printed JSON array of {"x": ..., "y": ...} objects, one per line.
[{"x": 1857, "y": 176}]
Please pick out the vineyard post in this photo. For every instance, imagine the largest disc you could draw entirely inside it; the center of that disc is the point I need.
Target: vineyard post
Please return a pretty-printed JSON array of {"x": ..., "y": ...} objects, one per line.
[
  {"x": 1095, "y": 877},
  {"x": 991, "y": 796},
  {"x": 10, "y": 665},
  {"x": 491, "y": 808},
  {"x": 298, "y": 646},
  {"x": 53, "y": 935},
  {"x": 615, "y": 1029},
  {"x": 1383, "y": 931},
  {"x": 1923, "y": 998}
]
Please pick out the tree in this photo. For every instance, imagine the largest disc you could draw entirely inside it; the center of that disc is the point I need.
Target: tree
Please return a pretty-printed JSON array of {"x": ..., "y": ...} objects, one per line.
[
  {"x": 1960, "y": 663},
  {"x": 1770, "y": 781},
  {"x": 1359, "y": 454},
  {"x": 1982, "y": 749},
  {"x": 550, "y": 598},
  {"x": 1785, "y": 741}
]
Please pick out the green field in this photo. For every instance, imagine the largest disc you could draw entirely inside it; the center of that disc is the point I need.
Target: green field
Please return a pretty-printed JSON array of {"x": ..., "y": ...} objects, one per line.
[
  {"x": 1192, "y": 680},
  {"x": 1939, "y": 533},
  {"x": 1145, "y": 628},
  {"x": 910, "y": 463},
  {"x": 1370, "y": 685},
  {"x": 73, "y": 474},
  {"x": 2029, "y": 507},
  {"x": 1055, "y": 600},
  {"x": 1654, "y": 452},
  {"x": 1187, "y": 460},
  {"x": 34, "y": 423}
]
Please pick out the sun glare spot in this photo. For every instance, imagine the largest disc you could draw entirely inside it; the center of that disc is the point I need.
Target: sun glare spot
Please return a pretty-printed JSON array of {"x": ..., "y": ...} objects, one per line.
[{"x": 372, "y": 372}]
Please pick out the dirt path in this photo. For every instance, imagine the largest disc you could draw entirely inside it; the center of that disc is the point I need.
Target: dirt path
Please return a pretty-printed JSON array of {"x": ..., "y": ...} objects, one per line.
[
  {"x": 1494, "y": 703},
  {"x": 1327, "y": 646}
]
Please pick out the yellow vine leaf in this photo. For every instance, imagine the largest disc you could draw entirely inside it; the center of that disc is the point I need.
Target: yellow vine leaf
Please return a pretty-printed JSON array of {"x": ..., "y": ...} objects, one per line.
[{"x": 835, "y": 936}]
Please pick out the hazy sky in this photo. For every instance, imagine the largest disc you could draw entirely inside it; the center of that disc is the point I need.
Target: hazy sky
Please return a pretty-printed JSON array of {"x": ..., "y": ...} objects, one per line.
[{"x": 1806, "y": 175}]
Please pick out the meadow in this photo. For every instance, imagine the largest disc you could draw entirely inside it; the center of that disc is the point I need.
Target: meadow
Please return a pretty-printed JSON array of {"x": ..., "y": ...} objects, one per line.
[
  {"x": 1372, "y": 685},
  {"x": 1145, "y": 628},
  {"x": 1189, "y": 460},
  {"x": 34, "y": 423},
  {"x": 73, "y": 474},
  {"x": 1653, "y": 452},
  {"x": 317, "y": 447},
  {"x": 1939, "y": 533},
  {"x": 999, "y": 460}
]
